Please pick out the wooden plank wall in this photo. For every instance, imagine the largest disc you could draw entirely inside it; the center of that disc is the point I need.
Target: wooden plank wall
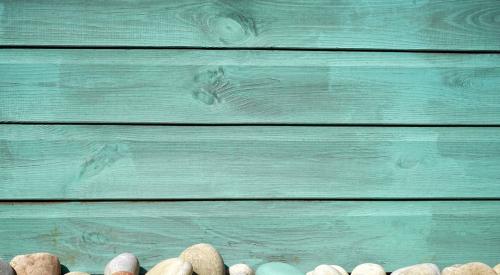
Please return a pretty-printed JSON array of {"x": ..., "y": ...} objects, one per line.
[{"x": 307, "y": 132}]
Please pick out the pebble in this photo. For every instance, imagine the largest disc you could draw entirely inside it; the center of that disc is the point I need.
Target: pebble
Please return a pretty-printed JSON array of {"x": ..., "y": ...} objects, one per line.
[
  {"x": 205, "y": 259},
  {"x": 368, "y": 269},
  {"x": 6, "y": 269},
  {"x": 123, "y": 264},
  {"x": 277, "y": 268},
  {"x": 36, "y": 264},
  {"x": 469, "y": 269},
  {"x": 340, "y": 269},
  {"x": 419, "y": 269},
  {"x": 77, "y": 273},
  {"x": 324, "y": 270},
  {"x": 497, "y": 269},
  {"x": 174, "y": 266},
  {"x": 241, "y": 269}
]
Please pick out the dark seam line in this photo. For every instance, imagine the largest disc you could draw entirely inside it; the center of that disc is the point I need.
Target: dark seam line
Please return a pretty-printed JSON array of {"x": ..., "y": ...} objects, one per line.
[
  {"x": 114, "y": 47},
  {"x": 81, "y": 123},
  {"x": 245, "y": 199}
]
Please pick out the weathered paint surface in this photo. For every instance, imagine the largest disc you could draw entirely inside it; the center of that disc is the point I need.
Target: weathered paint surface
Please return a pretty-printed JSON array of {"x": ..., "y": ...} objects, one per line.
[{"x": 241, "y": 124}]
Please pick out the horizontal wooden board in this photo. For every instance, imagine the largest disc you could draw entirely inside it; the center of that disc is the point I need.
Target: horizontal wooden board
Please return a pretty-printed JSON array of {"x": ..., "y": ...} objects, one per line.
[
  {"x": 304, "y": 233},
  {"x": 187, "y": 86},
  {"x": 101, "y": 162},
  {"x": 369, "y": 24}
]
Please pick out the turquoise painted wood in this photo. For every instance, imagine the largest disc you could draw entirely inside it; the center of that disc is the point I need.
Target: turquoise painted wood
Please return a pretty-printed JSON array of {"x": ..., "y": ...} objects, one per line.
[
  {"x": 243, "y": 124},
  {"x": 302, "y": 233},
  {"x": 181, "y": 162},
  {"x": 369, "y": 24},
  {"x": 193, "y": 86}
]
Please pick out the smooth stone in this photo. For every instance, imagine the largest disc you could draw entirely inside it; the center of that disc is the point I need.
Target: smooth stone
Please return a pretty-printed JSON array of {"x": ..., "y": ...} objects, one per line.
[
  {"x": 241, "y": 269},
  {"x": 474, "y": 268},
  {"x": 368, "y": 269},
  {"x": 324, "y": 270},
  {"x": 205, "y": 259},
  {"x": 419, "y": 269},
  {"x": 277, "y": 268},
  {"x": 340, "y": 269},
  {"x": 36, "y": 264},
  {"x": 6, "y": 269},
  {"x": 497, "y": 268},
  {"x": 77, "y": 273},
  {"x": 123, "y": 264},
  {"x": 174, "y": 266}
]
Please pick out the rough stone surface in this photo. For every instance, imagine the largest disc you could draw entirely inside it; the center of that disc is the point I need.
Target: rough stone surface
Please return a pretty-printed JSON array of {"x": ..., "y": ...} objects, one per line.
[
  {"x": 123, "y": 264},
  {"x": 419, "y": 269},
  {"x": 174, "y": 266},
  {"x": 6, "y": 269},
  {"x": 36, "y": 264},
  {"x": 368, "y": 269},
  {"x": 474, "y": 268},
  {"x": 205, "y": 259},
  {"x": 241, "y": 269},
  {"x": 276, "y": 268}
]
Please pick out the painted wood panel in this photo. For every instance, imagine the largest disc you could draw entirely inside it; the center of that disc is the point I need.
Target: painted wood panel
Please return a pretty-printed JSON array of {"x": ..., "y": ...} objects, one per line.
[
  {"x": 149, "y": 162},
  {"x": 369, "y": 24},
  {"x": 395, "y": 234},
  {"x": 186, "y": 86}
]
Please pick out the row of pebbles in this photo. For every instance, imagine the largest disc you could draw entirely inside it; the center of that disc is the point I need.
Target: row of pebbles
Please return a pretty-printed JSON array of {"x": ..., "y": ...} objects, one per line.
[{"x": 203, "y": 259}]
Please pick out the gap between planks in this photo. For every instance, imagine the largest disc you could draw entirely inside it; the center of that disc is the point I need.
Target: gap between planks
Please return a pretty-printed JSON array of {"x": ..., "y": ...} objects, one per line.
[{"x": 290, "y": 49}]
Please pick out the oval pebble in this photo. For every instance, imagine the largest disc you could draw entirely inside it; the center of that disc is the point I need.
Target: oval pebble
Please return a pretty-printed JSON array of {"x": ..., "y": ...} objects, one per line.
[
  {"x": 123, "y": 264},
  {"x": 469, "y": 269},
  {"x": 324, "y": 270},
  {"x": 497, "y": 268},
  {"x": 241, "y": 269},
  {"x": 277, "y": 268},
  {"x": 174, "y": 266},
  {"x": 368, "y": 269},
  {"x": 418, "y": 269}
]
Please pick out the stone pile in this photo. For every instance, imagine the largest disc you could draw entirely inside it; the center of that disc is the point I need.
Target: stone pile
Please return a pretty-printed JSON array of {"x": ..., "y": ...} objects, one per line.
[{"x": 203, "y": 259}]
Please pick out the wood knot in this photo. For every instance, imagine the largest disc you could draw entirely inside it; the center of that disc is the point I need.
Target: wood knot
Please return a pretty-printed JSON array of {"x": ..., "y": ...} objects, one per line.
[
  {"x": 210, "y": 85},
  {"x": 231, "y": 28}
]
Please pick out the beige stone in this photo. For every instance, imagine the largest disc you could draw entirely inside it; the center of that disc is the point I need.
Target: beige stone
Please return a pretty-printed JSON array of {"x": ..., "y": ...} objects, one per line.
[
  {"x": 36, "y": 264},
  {"x": 324, "y": 270},
  {"x": 368, "y": 269},
  {"x": 419, "y": 269},
  {"x": 241, "y": 269},
  {"x": 205, "y": 259},
  {"x": 474, "y": 268},
  {"x": 123, "y": 264},
  {"x": 497, "y": 269},
  {"x": 174, "y": 266}
]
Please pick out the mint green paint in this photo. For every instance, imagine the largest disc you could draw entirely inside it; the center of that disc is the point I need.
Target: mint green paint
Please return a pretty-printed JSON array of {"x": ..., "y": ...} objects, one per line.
[
  {"x": 148, "y": 162},
  {"x": 218, "y": 163},
  {"x": 193, "y": 86},
  {"x": 301, "y": 233},
  {"x": 370, "y": 24},
  {"x": 277, "y": 268}
]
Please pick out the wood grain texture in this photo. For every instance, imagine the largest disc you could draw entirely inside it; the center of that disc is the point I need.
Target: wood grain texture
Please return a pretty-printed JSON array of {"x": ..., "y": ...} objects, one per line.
[
  {"x": 303, "y": 233},
  {"x": 142, "y": 162},
  {"x": 369, "y": 24},
  {"x": 188, "y": 86}
]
